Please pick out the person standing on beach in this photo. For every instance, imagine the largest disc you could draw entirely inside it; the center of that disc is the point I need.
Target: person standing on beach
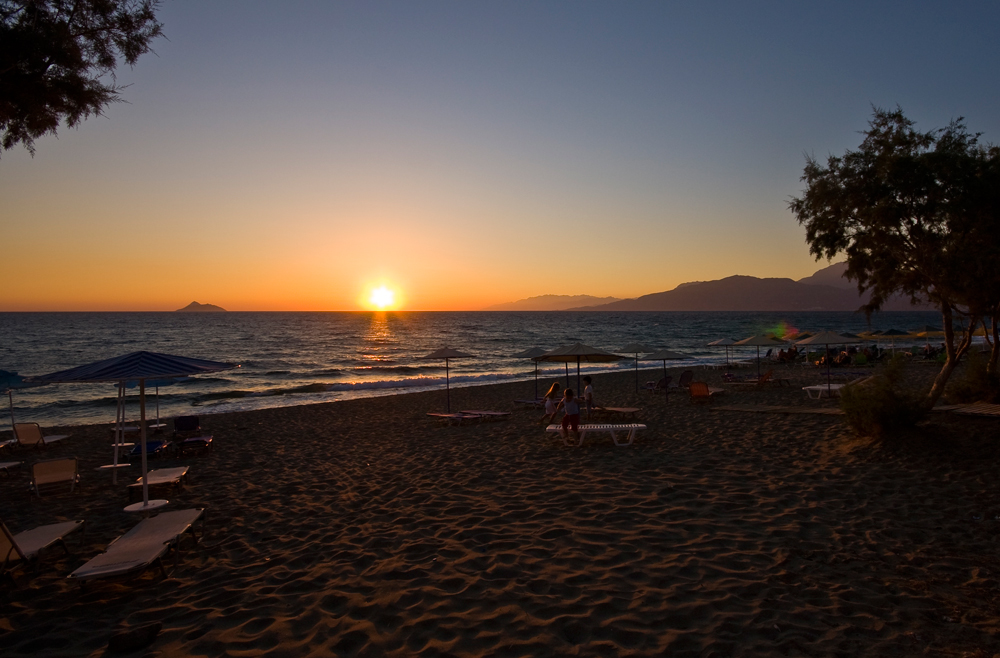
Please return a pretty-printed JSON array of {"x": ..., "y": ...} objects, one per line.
[
  {"x": 572, "y": 417},
  {"x": 588, "y": 396},
  {"x": 551, "y": 406}
]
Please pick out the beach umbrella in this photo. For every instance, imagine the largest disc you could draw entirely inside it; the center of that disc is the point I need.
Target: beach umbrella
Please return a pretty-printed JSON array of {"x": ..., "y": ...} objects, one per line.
[
  {"x": 636, "y": 349},
  {"x": 8, "y": 382},
  {"x": 447, "y": 353},
  {"x": 140, "y": 366},
  {"x": 532, "y": 354},
  {"x": 723, "y": 342},
  {"x": 828, "y": 338},
  {"x": 891, "y": 335},
  {"x": 665, "y": 355},
  {"x": 758, "y": 341},
  {"x": 579, "y": 353}
]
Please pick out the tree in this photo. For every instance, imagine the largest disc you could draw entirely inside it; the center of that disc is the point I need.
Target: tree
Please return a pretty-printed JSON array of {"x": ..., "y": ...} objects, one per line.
[
  {"x": 56, "y": 57},
  {"x": 915, "y": 214}
]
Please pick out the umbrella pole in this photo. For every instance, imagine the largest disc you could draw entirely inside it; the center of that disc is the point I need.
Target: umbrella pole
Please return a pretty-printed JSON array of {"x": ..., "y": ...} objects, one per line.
[
  {"x": 447, "y": 384},
  {"x": 567, "y": 374},
  {"x": 10, "y": 396},
  {"x": 666, "y": 389},
  {"x": 828, "y": 387},
  {"x": 157, "y": 407},
  {"x": 536, "y": 380},
  {"x": 142, "y": 437},
  {"x": 119, "y": 434},
  {"x": 637, "y": 372},
  {"x": 758, "y": 363},
  {"x": 578, "y": 376}
]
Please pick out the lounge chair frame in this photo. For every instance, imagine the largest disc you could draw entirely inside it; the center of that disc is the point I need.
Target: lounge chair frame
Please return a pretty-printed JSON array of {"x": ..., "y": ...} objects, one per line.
[
  {"x": 50, "y": 473},
  {"x": 25, "y": 548}
]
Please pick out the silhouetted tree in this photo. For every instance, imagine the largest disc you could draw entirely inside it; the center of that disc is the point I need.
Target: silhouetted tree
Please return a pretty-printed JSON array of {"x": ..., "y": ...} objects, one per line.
[
  {"x": 54, "y": 55},
  {"x": 915, "y": 214}
]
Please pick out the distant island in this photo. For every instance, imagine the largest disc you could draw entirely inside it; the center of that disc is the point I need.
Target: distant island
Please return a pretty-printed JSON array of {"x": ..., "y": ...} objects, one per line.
[
  {"x": 195, "y": 307},
  {"x": 552, "y": 303},
  {"x": 825, "y": 290}
]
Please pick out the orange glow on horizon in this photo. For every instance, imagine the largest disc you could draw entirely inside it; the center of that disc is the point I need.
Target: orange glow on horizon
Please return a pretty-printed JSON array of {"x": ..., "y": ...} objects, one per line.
[{"x": 381, "y": 297}]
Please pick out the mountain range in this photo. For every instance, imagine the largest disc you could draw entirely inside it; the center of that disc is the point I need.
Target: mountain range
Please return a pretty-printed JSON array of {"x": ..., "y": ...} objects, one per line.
[{"x": 825, "y": 290}]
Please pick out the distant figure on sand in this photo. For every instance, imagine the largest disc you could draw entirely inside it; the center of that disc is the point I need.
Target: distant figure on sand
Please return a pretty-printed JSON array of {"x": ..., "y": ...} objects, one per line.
[
  {"x": 572, "y": 409},
  {"x": 551, "y": 404},
  {"x": 588, "y": 395}
]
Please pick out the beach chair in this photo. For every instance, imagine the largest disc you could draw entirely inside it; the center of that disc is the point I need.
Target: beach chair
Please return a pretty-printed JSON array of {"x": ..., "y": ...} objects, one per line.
[
  {"x": 660, "y": 386},
  {"x": 26, "y": 547},
  {"x": 142, "y": 546},
  {"x": 488, "y": 415},
  {"x": 685, "y": 380},
  {"x": 160, "y": 477},
  {"x": 186, "y": 427},
  {"x": 194, "y": 444},
  {"x": 455, "y": 418},
  {"x": 700, "y": 392},
  {"x": 154, "y": 448},
  {"x": 52, "y": 473},
  {"x": 29, "y": 435}
]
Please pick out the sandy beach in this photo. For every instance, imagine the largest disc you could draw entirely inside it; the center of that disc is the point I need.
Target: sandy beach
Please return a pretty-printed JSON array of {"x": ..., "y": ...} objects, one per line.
[{"x": 365, "y": 528}]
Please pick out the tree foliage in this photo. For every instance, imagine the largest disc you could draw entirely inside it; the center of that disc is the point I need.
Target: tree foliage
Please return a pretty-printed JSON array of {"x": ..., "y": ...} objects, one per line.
[
  {"x": 58, "y": 60},
  {"x": 916, "y": 214}
]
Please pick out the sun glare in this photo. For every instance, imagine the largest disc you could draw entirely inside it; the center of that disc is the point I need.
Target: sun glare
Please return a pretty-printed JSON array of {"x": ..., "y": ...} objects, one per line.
[{"x": 382, "y": 298}]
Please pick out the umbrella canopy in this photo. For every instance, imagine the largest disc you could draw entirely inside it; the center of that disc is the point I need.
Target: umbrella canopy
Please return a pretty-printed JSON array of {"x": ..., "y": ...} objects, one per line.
[
  {"x": 891, "y": 335},
  {"x": 759, "y": 340},
  {"x": 447, "y": 354},
  {"x": 139, "y": 366},
  {"x": 665, "y": 355},
  {"x": 532, "y": 354},
  {"x": 723, "y": 342},
  {"x": 828, "y": 338},
  {"x": 579, "y": 353},
  {"x": 636, "y": 349}
]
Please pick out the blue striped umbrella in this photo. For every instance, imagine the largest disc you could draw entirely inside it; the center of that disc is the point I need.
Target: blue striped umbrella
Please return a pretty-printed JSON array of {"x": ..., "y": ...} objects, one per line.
[{"x": 140, "y": 366}]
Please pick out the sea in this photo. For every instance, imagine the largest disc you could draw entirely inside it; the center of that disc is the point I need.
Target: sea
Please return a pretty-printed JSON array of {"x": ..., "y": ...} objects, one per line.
[{"x": 299, "y": 358}]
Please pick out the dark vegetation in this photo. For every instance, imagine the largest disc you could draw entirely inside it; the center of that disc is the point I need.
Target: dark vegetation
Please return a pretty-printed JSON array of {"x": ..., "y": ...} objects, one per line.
[
  {"x": 916, "y": 214},
  {"x": 58, "y": 61}
]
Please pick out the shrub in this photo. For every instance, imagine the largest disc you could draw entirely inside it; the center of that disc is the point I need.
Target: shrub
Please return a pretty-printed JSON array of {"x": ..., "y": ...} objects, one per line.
[
  {"x": 882, "y": 406},
  {"x": 975, "y": 384}
]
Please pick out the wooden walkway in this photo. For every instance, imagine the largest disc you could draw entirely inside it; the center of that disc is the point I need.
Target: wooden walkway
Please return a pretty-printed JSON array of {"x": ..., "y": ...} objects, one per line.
[{"x": 762, "y": 409}]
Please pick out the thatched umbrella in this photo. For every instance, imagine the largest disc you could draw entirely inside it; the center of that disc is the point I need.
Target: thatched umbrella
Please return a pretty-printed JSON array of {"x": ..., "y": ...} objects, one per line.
[
  {"x": 665, "y": 355},
  {"x": 636, "y": 349},
  {"x": 447, "y": 353},
  {"x": 579, "y": 353},
  {"x": 757, "y": 341}
]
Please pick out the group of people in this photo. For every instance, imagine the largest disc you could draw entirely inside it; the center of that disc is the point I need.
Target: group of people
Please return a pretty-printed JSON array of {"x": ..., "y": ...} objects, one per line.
[{"x": 570, "y": 405}]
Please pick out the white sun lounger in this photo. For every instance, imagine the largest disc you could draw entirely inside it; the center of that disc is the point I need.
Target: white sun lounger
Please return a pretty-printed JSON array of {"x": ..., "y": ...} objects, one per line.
[
  {"x": 141, "y": 547},
  {"x": 161, "y": 476},
  {"x": 25, "y": 547},
  {"x": 29, "y": 435},
  {"x": 50, "y": 473},
  {"x": 613, "y": 429}
]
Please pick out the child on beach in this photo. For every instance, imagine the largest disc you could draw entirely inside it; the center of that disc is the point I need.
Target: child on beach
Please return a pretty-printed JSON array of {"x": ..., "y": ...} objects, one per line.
[
  {"x": 588, "y": 395},
  {"x": 551, "y": 406},
  {"x": 572, "y": 409}
]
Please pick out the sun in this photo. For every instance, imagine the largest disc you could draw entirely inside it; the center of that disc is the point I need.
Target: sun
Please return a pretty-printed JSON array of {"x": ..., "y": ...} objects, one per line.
[{"x": 382, "y": 298}]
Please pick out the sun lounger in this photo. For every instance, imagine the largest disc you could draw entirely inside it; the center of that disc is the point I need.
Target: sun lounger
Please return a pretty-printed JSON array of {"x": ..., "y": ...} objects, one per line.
[
  {"x": 531, "y": 403},
  {"x": 51, "y": 473},
  {"x": 618, "y": 412},
  {"x": 186, "y": 427},
  {"x": 658, "y": 387},
  {"x": 6, "y": 467},
  {"x": 29, "y": 435},
  {"x": 701, "y": 392},
  {"x": 25, "y": 547},
  {"x": 154, "y": 448},
  {"x": 142, "y": 546},
  {"x": 685, "y": 380},
  {"x": 194, "y": 444},
  {"x": 456, "y": 418},
  {"x": 819, "y": 391},
  {"x": 488, "y": 415},
  {"x": 160, "y": 477},
  {"x": 613, "y": 429}
]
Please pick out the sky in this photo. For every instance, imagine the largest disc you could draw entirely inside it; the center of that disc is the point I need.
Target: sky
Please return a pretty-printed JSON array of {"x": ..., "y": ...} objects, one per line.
[{"x": 294, "y": 156}]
